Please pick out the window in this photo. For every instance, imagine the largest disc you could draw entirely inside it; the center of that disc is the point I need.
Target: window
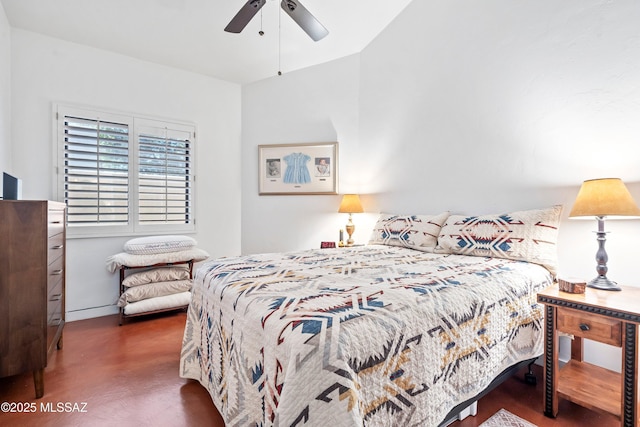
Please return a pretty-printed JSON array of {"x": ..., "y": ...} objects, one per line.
[
  {"x": 164, "y": 175},
  {"x": 124, "y": 174},
  {"x": 96, "y": 170}
]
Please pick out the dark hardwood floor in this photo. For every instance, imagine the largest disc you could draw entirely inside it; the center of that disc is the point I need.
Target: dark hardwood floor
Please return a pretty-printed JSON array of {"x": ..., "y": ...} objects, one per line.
[{"x": 108, "y": 375}]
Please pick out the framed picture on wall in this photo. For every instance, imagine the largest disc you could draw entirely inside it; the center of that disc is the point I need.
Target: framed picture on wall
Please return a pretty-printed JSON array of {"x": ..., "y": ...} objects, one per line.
[{"x": 298, "y": 168}]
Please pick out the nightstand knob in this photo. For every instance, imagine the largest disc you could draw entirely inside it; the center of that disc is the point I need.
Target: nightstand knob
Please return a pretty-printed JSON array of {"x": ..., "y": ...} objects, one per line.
[{"x": 584, "y": 327}]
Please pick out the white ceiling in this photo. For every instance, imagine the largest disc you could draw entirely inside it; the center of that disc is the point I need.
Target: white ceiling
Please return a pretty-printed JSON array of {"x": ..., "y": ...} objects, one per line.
[{"x": 190, "y": 34}]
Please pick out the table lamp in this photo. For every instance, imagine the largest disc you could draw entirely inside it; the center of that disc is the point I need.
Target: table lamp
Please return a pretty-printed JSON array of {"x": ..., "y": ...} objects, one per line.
[
  {"x": 604, "y": 198},
  {"x": 350, "y": 204}
]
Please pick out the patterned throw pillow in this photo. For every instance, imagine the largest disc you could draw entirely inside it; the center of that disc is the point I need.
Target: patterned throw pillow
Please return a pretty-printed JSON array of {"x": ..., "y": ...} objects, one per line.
[
  {"x": 411, "y": 231},
  {"x": 525, "y": 235}
]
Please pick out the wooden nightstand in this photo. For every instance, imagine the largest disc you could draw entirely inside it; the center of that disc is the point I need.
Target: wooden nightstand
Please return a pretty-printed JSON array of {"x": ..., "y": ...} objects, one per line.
[{"x": 605, "y": 316}]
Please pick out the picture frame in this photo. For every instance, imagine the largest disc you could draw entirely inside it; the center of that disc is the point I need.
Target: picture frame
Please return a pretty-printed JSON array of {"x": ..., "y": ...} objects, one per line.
[{"x": 289, "y": 169}]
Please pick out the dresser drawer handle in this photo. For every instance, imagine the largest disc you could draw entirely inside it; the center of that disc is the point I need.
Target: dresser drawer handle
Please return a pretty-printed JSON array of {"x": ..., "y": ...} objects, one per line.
[
  {"x": 55, "y": 297},
  {"x": 57, "y": 247},
  {"x": 56, "y": 272},
  {"x": 584, "y": 327},
  {"x": 56, "y": 222}
]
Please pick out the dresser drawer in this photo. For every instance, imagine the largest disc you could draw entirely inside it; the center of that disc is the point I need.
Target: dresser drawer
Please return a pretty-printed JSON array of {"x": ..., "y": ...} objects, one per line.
[
  {"x": 55, "y": 271},
  {"x": 590, "y": 326},
  {"x": 54, "y": 298},
  {"x": 56, "y": 247},
  {"x": 55, "y": 317},
  {"x": 55, "y": 222},
  {"x": 54, "y": 322}
]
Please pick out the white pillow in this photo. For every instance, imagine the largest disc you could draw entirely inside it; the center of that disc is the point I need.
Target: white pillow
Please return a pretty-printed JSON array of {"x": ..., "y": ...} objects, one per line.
[
  {"x": 153, "y": 290},
  {"x": 163, "y": 274},
  {"x": 158, "y": 244},
  {"x": 410, "y": 231}
]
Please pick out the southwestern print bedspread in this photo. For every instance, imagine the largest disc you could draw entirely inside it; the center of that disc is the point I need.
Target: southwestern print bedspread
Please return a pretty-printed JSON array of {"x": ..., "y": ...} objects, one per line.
[{"x": 373, "y": 335}]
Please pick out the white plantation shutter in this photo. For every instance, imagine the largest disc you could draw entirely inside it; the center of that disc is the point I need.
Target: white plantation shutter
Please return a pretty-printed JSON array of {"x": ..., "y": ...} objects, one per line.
[
  {"x": 165, "y": 174},
  {"x": 96, "y": 171},
  {"x": 124, "y": 175}
]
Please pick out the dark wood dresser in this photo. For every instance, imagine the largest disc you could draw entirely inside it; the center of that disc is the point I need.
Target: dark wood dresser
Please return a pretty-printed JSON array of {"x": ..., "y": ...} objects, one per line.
[{"x": 32, "y": 285}]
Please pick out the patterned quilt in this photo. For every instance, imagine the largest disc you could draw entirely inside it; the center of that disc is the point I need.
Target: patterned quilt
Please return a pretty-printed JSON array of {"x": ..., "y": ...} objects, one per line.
[{"x": 374, "y": 335}]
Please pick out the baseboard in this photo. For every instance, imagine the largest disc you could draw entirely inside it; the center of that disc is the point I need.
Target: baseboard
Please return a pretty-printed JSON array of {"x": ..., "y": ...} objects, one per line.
[{"x": 90, "y": 313}]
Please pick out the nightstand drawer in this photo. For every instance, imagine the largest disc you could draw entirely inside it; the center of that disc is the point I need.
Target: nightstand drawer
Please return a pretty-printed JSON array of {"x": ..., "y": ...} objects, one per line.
[{"x": 590, "y": 326}]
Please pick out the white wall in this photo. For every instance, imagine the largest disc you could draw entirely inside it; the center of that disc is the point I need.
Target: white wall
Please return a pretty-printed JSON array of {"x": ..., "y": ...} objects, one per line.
[
  {"x": 474, "y": 107},
  {"x": 506, "y": 106},
  {"x": 318, "y": 104},
  {"x": 47, "y": 70},
  {"x": 5, "y": 93}
]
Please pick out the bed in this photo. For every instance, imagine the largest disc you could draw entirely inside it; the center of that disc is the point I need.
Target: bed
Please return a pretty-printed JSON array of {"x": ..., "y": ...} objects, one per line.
[{"x": 398, "y": 332}]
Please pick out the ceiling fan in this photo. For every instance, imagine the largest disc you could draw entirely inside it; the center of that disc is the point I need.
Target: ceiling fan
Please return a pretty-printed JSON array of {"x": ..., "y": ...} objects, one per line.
[{"x": 296, "y": 11}]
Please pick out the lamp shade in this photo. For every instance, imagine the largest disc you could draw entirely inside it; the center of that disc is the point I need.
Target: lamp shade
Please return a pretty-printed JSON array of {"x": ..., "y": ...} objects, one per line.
[
  {"x": 604, "y": 197},
  {"x": 350, "y": 204}
]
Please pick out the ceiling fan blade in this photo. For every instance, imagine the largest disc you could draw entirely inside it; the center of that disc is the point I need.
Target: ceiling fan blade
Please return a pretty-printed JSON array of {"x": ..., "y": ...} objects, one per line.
[
  {"x": 244, "y": 15},
  {"x": 304, "y": 19}
]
